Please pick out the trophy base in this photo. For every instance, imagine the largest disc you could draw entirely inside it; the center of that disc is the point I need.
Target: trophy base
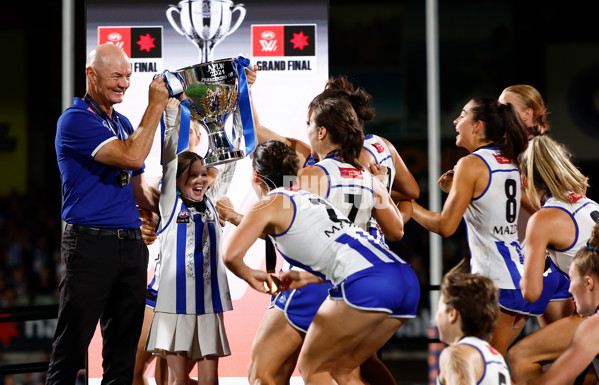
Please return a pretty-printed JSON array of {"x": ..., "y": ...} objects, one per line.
[{"x": 220, "y": 157}]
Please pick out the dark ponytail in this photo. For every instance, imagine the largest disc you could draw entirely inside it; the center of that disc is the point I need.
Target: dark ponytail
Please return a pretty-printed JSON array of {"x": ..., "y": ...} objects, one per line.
[
  {"x": 343, "y": 126},
  {"x": 503, "y": 126},
  {"x": 276, "y": 163},
  {"x": 342, "y": 110}
]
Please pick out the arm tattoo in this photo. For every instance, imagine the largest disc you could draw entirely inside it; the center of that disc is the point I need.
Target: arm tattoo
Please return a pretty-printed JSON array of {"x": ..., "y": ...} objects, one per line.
[{"x": 456, "y": 368}]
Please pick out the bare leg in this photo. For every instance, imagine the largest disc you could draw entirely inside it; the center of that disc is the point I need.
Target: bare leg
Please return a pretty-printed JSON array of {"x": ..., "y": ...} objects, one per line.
[
  {"x": 283, "y": 375},
  {"x": 161, "y": 371},
  {"x": 373, "y": 371},
  {"x": 527, "y": 357},
  {"x": 190, "y": 364},
  {"x": 275, "y": 341},
  {"x": 509, "y": 326},
  {"x": 178, "y": 369},
  {"x": 142, "y": 357},
  {"x": 208, "y": 370},
  {"x": 331, "y": 354},
  {"x": 556, "y": 310}
]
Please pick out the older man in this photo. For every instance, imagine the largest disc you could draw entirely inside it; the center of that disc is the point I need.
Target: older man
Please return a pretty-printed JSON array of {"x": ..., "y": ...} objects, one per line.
[{"x": 104, "y": 257}]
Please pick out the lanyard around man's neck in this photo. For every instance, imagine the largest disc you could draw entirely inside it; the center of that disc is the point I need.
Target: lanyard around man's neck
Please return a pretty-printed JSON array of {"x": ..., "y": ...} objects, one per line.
[{"x": 114, "y": 127}]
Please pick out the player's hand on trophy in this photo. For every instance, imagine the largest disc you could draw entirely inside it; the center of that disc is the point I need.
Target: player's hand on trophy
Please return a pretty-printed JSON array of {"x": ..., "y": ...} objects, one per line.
[
  {"x": 158, "y": 93},
  {"x": 445, "y": 181},
  {"x": 226, "y": 210},
  {"x": 172, "y": 103},
  {"x": 251, "y": 75},
  {"x": 149, "y": 220}
]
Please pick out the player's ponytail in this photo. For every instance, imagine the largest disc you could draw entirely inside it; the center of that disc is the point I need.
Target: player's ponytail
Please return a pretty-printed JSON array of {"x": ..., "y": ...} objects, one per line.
[
  {"x": 341, "y": 121},
  {"x": 503, "y": 126}
]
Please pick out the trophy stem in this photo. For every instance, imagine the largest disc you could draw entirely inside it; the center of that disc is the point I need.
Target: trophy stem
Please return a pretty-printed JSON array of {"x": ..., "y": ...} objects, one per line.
[
  {"x": 206, "y": 52},
  {"x": 221, "y": 151}
]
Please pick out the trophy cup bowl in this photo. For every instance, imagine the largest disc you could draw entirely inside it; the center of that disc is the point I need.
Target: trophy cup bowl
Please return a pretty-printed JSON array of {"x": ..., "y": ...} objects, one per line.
[
  {"x": 212, "y": 92},
  {"x": 205, "y": 22}
]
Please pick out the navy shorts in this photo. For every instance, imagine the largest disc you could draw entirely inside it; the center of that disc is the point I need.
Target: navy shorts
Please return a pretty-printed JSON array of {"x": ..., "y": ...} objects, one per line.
[
  {"x": 388, "y": 287},
  {"x": 562, "y": 283},
  {"x": 300, "y": 305}
]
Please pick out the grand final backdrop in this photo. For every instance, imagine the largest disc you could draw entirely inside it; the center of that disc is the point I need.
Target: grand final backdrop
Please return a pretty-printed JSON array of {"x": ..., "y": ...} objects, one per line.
[{"x": 288, "y": 42}]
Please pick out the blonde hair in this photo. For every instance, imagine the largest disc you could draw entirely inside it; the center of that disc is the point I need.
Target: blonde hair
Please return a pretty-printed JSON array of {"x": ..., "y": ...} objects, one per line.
[
  {"x": 528, "y": 97},
  {"x": 548, "y": 168}
]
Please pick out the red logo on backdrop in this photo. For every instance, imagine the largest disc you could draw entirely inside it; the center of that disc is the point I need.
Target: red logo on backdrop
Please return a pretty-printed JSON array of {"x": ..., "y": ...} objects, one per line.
[
  {"x": 268, "y": 40},
  {"x": 120, "y": 37},
  {"x": 283, "y": 40},
  {"x": 137, "y": 42},
  {"x": 378, "y": 146},
  {"x": 353, "y": 173},
  {"x": 501, "y": 159}
]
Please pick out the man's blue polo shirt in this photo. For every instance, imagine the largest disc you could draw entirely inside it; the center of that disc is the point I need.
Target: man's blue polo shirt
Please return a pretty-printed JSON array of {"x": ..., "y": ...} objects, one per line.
[{"x": 92, "y": 195}]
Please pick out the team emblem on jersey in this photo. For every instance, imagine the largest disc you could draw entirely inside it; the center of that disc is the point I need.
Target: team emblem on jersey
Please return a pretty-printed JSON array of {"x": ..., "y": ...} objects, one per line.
[
  {"x": 573, "y": 197},
  {"x": 353, "y": 173},
  {"x": 183, "y": 216},
  {"x": 379, "y": 147},
  {"x": 502, "y": 159},
  {"x": 493, "y": 351}
]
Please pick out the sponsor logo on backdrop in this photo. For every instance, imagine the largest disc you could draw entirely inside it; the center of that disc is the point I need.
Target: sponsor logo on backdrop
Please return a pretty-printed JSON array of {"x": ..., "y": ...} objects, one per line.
[
  {"x": 284, "y": 47},
  {"x": 143, "y": 45}
]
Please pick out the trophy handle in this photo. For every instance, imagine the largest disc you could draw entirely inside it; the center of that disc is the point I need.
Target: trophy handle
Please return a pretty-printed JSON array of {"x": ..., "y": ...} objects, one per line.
[
  {"x": 241, "y": 9},
  {"x": 171, "y": 19}
]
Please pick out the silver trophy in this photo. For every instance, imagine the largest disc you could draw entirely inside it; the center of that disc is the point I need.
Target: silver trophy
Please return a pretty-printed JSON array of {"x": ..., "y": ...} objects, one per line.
[
  {"x": 212, "y": 92},
  {"x": 205, "y": 22}
]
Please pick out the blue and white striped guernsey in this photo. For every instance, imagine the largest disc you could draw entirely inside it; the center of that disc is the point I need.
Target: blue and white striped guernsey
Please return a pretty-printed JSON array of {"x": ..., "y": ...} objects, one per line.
[{"x": 193, "y": 276}]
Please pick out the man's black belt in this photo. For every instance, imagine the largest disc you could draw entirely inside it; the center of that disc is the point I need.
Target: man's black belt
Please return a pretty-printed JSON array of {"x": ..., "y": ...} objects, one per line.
[{"x": 105, "y": 233}]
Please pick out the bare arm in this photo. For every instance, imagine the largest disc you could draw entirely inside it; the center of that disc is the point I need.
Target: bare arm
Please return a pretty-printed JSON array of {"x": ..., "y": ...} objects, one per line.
[
  {"x": 405, "y": 186},
  {"x": 581, "y": 352},
  {"x": 131, "y": 153},
  {"x": 546, "y": 227},
  {"x": 386, "y": 213},
  {"x": 227, "y": 212},
  {"x": 264, "y": 134},
  {"x": 145, "y": 195},
  {"x": 269, "y": 216},
  {"x": 314, "y": 180},
  {"x": 468, "y": 172}
]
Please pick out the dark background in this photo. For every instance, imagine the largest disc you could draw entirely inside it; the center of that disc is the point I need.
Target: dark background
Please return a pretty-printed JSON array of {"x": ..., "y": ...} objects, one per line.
[{"x": 484, "y": 46}]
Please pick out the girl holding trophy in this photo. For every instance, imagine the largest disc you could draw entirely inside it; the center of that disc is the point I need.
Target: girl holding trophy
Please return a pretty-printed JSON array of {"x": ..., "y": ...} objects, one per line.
[{"x": 188, "y": 322}]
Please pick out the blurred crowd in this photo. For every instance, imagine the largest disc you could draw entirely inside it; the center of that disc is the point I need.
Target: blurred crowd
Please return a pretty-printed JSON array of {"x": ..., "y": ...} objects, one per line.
[{"x": 29, "y": 251}]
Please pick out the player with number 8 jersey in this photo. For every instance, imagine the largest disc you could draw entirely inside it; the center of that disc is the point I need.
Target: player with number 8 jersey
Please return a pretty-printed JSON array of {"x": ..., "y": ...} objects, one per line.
[{"x": 486, "y": 191}]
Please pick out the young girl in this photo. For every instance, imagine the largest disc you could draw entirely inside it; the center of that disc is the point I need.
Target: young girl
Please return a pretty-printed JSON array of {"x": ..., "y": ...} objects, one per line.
[
  {"x": 188, "y": 323},
  {"x": 367, "y": 297}
]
